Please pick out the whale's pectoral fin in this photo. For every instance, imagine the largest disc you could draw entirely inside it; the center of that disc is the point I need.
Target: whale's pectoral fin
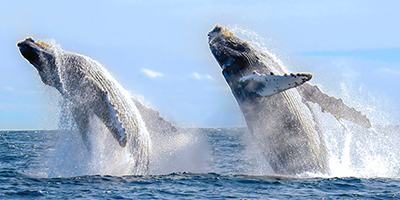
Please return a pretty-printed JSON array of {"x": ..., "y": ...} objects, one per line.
[
  {"x": 155, "y": 123},
  {"x": 332, "y": 105},
  {"x": 82, "y": 121},
  {"x": 109, "y": 116},
  {"x": 269, "y": 84}
]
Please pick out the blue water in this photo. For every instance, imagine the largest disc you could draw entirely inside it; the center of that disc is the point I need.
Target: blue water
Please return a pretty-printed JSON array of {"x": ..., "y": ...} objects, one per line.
[{"x": 25, "y": 158}]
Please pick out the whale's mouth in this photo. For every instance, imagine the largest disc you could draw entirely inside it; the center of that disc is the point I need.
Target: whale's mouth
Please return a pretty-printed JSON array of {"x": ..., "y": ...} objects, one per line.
[{"x": 32, "y": 50}]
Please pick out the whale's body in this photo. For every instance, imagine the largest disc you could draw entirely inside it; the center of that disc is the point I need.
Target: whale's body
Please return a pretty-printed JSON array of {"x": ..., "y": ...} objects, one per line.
[
  {"x": 280, "y": 121},
  {"x": 89, "y": 91}
]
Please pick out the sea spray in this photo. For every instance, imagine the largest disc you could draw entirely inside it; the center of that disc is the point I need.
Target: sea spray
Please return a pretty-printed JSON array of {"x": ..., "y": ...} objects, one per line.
[
  {"x": 359, "y": 152},
  {"x": 183, "y": 151},
  {"x": 174, "y": 149},
  {"x": 254, "y": 157}
]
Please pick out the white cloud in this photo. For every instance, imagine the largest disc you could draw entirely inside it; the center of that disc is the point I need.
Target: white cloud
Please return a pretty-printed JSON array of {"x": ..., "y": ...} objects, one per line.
[
  {"x": 390, "y": 71},
  {"x": 7, "y": 88},
  {"x": 202, "y": 76},
  {"x": 196, "y": 75},
  {"x": 209, "y": 76},
  {"x": 152, "y": 74}
]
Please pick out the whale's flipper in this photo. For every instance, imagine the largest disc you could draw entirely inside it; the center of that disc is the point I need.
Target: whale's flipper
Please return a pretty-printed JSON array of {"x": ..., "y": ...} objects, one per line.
[
  {"x": 110, "y": 118},
  {"x": 269, "y": 84},
  {"x": 82, "y": 122},
  {"x": 332, "y": 105},
  {"x": 154, "y": 122},
  {"x": 103, "y": 103},
  {"x": 111, "y": 115}
]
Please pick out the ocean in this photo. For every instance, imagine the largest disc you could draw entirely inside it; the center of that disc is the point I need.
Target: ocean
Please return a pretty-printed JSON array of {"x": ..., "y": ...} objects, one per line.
[{"x": 228, "y": 166}]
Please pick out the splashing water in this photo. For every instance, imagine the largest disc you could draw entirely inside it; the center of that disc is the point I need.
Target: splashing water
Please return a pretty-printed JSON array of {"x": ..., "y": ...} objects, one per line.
[
  {"x": 186, "y": 151},
  {"x": 353, "y": 151}
]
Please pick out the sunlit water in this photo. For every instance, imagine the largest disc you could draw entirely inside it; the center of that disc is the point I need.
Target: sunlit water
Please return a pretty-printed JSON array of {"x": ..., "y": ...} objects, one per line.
[{"x": 229, "y": 167}]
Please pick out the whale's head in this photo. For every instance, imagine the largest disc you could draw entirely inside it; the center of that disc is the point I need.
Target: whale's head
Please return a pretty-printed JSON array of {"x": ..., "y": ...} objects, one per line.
[
  {"x": 42, "y": 57},
  {"x": 233, "y": 54},
  {"x": 245, "y": 69}
]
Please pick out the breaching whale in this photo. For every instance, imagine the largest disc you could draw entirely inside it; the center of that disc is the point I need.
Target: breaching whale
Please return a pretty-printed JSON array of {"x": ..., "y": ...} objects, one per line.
[
  {"x": 277, "y": 117},
  {"x": 91, "y": 91}
]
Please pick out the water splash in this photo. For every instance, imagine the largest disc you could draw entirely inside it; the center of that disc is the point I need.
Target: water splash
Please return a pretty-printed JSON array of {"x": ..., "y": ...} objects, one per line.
[{"x": 183, "y": 151}]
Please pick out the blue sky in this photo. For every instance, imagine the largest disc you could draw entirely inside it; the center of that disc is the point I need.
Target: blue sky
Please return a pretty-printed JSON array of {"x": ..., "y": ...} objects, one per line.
[{"x": 158, "y": 50}]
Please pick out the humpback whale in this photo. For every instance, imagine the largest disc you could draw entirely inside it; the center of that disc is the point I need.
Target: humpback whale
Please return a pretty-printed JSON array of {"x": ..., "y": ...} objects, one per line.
[
  {"x": 276, "y": 115},
  {"x": 90, "y": 91}
]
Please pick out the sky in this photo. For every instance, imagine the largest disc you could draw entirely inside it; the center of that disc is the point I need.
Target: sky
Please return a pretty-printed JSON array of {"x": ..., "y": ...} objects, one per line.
[{"x": 158, "y": 51}]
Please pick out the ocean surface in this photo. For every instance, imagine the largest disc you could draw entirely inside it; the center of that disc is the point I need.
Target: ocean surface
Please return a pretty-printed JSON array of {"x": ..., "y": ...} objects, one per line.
[{"x": 231, "y": 168}]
